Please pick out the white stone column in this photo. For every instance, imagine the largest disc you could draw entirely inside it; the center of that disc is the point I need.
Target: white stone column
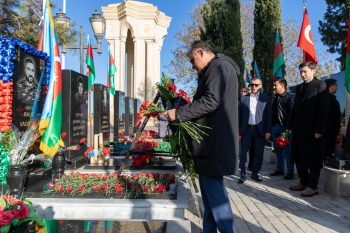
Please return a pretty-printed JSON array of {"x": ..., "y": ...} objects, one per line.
[
  {"x": 149, "y": 67},
  {"x": 130, "y": 80},
  {"x": 117, "y": 60},
  {"x": 122, "y": 65},
  {"x": 139, "y": 68}
]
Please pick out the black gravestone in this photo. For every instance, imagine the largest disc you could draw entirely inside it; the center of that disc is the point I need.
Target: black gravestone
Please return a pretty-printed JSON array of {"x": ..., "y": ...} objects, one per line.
[
  {"x": 101, "y": 112},
  {"x": 119, "y": 116},
  {"x": 75, "y": 110},
  {"x": 26, "y": 76},
  {"x": 129, "y": 116},
  {"x": 137, "y": 104}
]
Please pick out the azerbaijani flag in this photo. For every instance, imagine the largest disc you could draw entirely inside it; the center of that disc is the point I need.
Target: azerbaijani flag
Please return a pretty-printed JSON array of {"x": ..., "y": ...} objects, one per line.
[
  {"x": 51, "y": 118},
  {"x": 247, "y": 76},
  {"x": 90, "y": 66},
  {"x": 278, "y": 58},
  {"x": 110, "y": 74},
  {"x": 347, "y": 65},
  {"x": 256, "y": 71}
]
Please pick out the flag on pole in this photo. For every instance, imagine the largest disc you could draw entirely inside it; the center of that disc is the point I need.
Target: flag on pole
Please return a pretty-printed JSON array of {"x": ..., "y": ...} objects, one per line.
[
  {"x": 256, "y": 71},
  {"x": 347, "y": 65},
  {"x": 51, "y": 118},
  {"x": 247, "y": 76},
  {"x": 90, "y": 66},
  {"x": 110, "y": 73},
  {"x": 278, "y": 58},
  {"x": 305, "y": 41}
]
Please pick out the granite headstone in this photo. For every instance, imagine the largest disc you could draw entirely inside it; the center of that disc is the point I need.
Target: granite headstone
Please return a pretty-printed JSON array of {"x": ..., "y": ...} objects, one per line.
[
  {"x": 137, "y": 104},
  {"x": 101, "y": 112},
  {"x": 26, "y": 76},
  {"x": 119, "y": 116},
  {"x": 75, "y": 109},
  {"x": 129, "y": 116}
]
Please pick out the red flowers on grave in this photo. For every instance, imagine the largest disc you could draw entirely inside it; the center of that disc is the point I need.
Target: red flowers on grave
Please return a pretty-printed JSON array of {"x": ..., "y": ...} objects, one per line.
[
  {"x": 282, "y": 140},
  {"x": 147, "y": 109},
  {"x": 130, "y": 186}
]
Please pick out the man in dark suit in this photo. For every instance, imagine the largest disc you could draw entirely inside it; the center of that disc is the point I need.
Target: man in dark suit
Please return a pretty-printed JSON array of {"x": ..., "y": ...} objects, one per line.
[
  {"x": 308, "y": 125},
  {"x": 254, "y": 115}
]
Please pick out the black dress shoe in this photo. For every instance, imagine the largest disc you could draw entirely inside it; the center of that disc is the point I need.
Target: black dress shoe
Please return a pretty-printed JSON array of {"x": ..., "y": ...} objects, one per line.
[
  {"x": 250, "y": 169},
  {"x": 242, "y": 180},
  {"x": 289, "y": 176},
  {"x": 256, "y": 178},
  {"x": 277, "y": 173}
]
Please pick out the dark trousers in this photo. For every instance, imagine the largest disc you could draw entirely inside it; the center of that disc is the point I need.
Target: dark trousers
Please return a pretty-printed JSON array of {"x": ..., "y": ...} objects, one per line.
[
  {"x": 251, "y": 156},
  {"x": 251, "y": 137},
  {"x": 217, "y": 210},
  {"x": 330, "y": 140},
  {"x": 309, "y": 177}
]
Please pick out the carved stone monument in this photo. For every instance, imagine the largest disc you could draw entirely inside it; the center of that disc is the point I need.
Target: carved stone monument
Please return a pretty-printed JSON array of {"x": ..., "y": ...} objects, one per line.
[
  {"x": 101, "y": 112},
  {"x": 75, "y": 110}
]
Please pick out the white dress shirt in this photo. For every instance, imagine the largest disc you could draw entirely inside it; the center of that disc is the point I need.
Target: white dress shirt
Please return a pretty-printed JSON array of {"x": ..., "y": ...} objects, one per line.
[{"x": 252, "y": 109}]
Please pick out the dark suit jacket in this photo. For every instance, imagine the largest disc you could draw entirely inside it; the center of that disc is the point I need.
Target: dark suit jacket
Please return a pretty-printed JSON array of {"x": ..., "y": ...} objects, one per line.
[
  {"x": 262, "y": 115},
  {"x": 310, "y": 113}
]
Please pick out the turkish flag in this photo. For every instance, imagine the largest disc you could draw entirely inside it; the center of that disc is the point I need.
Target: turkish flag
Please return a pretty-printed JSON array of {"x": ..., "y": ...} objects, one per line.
[{"x": 305, "y": 41}]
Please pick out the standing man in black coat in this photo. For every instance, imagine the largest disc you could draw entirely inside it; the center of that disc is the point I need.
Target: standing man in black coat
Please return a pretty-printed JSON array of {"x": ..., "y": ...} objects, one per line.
[
  {"x": 308, "y": 125},
  {"x": 254, "y": 114},
  {"x": 216, "y": 156},
  {"x": 333, "y": 120},
  {"x": 282, "y": 105}
]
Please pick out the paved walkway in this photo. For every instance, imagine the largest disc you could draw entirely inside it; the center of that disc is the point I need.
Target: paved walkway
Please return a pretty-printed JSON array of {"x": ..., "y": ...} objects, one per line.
[{"x": 271, "y": 207}]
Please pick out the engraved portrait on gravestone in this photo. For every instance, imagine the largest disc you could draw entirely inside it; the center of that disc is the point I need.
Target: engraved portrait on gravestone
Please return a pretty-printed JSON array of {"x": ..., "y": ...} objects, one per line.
[
  {"x": 105, "y": 105},
  {"x": 26, "y": 87},
  {"x": 79, "y": 96}
]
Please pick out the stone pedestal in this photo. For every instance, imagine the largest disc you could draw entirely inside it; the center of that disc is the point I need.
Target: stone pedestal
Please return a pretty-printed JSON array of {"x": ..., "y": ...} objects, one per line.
[{"x": 335, "y": 182}]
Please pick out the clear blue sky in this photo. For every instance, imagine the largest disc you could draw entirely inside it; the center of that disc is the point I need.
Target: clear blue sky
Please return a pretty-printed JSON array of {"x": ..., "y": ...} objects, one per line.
[{"x": 79, "y": 11}]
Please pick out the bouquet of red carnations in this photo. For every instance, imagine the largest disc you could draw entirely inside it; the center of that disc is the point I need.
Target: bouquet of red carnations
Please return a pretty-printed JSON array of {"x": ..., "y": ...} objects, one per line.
[{"x": 282, "y": 140}]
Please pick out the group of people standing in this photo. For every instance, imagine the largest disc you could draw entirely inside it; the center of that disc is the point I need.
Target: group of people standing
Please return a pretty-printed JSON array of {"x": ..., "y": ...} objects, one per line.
[
  {"x": 310, "y": 119},
  {"x": 216, "y": 156}
]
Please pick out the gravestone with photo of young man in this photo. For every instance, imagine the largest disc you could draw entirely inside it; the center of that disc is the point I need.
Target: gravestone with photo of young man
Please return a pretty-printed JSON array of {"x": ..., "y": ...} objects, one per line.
[
  {"x": 26, "y": 75},
  {"x": 74, "y": 113}
]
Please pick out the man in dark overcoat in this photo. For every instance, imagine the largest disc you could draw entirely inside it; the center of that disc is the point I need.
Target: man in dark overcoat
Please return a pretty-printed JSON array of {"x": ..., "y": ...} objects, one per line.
[
  {"x": 333, "y": 119},
  {"x": 213, "y": 105},
  {"x": 308, "y": 125}
]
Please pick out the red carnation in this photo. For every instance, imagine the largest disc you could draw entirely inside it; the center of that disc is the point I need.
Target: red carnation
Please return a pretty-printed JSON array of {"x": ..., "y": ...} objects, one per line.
[{"x": 63, "y": 134}]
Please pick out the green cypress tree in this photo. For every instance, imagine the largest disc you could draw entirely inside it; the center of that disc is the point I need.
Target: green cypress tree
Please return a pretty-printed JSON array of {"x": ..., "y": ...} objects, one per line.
[
  {"x": 267, "y": 18},
  {"x": 222, "y": 24},
  {"x": 334, "y": 28}
]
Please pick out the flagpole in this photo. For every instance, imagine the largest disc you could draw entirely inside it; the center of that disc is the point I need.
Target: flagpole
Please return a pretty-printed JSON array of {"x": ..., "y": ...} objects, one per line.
[{"x": 90, "y": 117}]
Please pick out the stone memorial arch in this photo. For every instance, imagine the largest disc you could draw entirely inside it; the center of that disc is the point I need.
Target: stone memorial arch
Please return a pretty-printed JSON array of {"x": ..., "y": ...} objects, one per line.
[{"x": 135, "y": 32}]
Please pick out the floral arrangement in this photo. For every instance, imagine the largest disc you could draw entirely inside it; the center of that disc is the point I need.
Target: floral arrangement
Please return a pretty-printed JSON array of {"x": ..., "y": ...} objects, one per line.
[
  {"x": 131, "y": 186},
  {"x": 15, "y": 212},
  {"x": 139, "y": 160},
  {"x": 122, "y": 148},
  {"x": 339, "y": 140},
  {"x": 89, "y": 152},
  {"x": 182, "y": 130},
  {"x": 168, "y": 89},
  {"x": 18, "y": 146},
  {"x": 282, "y": 140}
]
